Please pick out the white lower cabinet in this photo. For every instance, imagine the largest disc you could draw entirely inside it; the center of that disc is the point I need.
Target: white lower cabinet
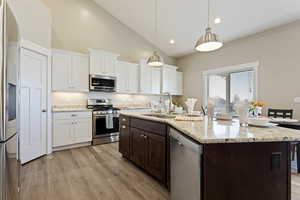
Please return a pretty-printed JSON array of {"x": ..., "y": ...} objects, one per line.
[{"x": 70, "y": 128}]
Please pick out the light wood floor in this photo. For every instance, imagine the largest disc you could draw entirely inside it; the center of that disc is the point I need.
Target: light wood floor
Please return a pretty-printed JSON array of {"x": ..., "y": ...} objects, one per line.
[
  {"x": 94, "y": 173},
  {"x": 89, "y": 173}
]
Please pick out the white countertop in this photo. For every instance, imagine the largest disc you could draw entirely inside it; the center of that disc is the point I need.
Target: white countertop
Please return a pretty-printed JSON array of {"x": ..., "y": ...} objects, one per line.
[{"x": 217, "y": 131}]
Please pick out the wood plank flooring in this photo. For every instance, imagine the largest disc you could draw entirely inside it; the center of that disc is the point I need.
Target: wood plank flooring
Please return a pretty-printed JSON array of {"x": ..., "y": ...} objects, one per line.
[
  {"x": 94, "y": 173},
  {"x": 88, "y": 173}
]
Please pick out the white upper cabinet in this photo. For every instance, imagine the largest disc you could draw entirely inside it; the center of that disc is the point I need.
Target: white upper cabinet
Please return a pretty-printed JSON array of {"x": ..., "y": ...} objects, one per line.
[
  {"x": 102, "y": 63},
  {"x": 169, "y": 79},
  {"x": 156, "y": 80},
  {"x": 179, "y": 88},
  {"x": 150, "y": 79},
  {"x": 127, "y": 77},
  {"x": 70, "y": 71},
  {"x": 133, "y": 78}
]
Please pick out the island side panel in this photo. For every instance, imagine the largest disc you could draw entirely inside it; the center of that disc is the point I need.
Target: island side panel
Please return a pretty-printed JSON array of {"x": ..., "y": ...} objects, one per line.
[{"x": 246, "y": 171}]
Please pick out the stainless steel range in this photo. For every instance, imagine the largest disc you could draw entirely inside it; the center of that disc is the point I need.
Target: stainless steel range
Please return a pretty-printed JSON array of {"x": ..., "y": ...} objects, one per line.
[{"x": 105, "y": 121}]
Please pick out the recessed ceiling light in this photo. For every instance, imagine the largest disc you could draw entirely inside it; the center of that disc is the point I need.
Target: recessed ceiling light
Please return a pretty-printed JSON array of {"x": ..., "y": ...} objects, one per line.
[
  {"x": 218, "y": 20},
  {"x": 172, "y": 41}
]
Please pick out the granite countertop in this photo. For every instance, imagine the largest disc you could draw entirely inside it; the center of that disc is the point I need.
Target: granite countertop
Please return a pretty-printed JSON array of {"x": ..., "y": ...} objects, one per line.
[
  {"x": 132, "y": 107},
  {"x": 78, "y": 108},
  {"x": 217, "y": 131}
]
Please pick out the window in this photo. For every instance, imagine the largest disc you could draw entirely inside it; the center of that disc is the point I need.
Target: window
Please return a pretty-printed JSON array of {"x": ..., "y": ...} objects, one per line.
[{"x": 229, "y": 86}]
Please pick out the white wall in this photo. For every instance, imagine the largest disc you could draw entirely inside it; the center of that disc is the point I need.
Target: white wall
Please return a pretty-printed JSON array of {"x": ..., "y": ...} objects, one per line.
[
  {"x": 277, "y": 50},
  {"x": 34, "y": 21},
  {"x": 82, "y": 24}
]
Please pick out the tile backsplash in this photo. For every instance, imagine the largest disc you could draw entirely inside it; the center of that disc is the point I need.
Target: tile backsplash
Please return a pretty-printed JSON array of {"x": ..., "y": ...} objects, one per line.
[{"x": 75, "y": 98}]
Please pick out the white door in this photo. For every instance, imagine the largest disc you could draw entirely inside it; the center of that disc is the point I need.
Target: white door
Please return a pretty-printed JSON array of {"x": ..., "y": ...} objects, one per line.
[
  {"x": 33, "y": 80},
  {"x": 80, "y": 73},
  {"x": 83, "y": 130}
]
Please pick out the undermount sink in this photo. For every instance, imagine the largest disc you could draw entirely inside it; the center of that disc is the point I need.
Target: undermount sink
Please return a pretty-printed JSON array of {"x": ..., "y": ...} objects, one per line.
[{"x": 159, "y": 115}]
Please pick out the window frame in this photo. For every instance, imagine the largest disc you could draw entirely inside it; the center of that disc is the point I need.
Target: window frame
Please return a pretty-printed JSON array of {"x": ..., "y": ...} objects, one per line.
[{"x": 253, "y": 66}]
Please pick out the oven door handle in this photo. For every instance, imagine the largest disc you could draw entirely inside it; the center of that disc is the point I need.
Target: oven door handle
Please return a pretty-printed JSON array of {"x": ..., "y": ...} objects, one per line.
[{"x": 99, "y": 115}]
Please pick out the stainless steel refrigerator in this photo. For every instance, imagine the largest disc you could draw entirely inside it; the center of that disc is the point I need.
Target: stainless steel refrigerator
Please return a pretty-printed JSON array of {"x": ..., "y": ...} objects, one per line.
[{"x": 9, "y": 62}]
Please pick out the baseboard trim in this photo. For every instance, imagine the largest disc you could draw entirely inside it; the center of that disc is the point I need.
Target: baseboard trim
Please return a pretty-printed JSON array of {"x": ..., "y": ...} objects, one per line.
[{"x": 72, "y": 146}]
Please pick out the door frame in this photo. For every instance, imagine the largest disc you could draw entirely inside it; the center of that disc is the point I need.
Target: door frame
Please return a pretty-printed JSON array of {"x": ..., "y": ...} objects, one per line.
[{"x": 26, "y": 44}]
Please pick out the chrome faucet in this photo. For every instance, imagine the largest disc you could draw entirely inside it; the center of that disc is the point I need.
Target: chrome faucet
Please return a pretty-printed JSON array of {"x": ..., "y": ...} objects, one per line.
[{"x": 170, "y": 99}]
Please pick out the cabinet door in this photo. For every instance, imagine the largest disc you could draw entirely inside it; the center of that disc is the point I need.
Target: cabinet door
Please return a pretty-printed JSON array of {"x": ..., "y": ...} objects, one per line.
[
  {"x": 80, "y": 73},
  {"x": 179, "y": 89},
  {"x": 63, "y": 133},
  {"x": 110, "y": 65},
  {"x": 138, "y": 147},
  {"x": 145, "y": 79},
  {"x": 156, "y": 156},
  {"x": 173, "y": 82},
  {"x": 169, "y": 76},
  {"x": 156, "y": 77},
  {"x": 124, "y": 142},
  {"x": 133, "y": 78},
  {"x": 122, "y": 77},
  {"x": 165, "y": 79},
  {"x": 61, "y": 71},
  {"x": 83, "y": 130},
  {"x": 97, "y": 64}
]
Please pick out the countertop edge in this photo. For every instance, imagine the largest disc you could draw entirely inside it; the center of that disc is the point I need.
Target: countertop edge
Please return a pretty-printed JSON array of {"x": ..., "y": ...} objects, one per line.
[{"x": 172, "y": 123}]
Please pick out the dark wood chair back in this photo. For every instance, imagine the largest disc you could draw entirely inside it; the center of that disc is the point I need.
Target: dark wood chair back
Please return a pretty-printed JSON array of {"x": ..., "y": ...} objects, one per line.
[{"x": 288, "y": 113}]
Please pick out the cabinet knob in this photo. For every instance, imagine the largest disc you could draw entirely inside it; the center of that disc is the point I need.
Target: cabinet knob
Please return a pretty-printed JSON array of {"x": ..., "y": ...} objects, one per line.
[
  {"x": 145, "y": 136},
  {"x": 123, "y": 126},
  {"x": 124, "y": 120}
]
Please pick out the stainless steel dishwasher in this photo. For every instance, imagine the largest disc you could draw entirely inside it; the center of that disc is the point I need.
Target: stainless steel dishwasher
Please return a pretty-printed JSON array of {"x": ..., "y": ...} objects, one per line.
[{"x": 185, "y": 156}]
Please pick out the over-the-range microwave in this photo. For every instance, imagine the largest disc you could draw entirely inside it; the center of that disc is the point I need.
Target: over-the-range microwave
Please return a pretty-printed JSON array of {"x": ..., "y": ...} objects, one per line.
[{"x": 103, "y": 83}]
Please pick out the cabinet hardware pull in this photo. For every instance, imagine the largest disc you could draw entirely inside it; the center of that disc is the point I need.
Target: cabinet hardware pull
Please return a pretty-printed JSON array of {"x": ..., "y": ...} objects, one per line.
[
  {"x": 73, "y": 115},
  {"x": 145, "y": 136},
  {"x": 124, "y": 120},
  {"x": 123, "y": 126}
]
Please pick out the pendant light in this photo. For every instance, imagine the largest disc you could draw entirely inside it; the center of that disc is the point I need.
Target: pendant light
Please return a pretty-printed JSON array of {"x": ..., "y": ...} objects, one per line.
[
  {"x": 209, "y": 41},
  {"x": 155, "y": 60}
]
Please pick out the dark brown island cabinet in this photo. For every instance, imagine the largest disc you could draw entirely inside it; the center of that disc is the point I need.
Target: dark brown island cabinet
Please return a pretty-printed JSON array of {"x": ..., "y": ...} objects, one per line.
[{"x": 229, "y": 171}]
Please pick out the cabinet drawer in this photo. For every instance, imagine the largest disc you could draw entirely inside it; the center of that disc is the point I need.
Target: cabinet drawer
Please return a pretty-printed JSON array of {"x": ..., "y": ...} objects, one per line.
[
  {"x": 149, "y": 126},
  {"x": 72, "y": 115},
  {"x": 124, "y": 120}
]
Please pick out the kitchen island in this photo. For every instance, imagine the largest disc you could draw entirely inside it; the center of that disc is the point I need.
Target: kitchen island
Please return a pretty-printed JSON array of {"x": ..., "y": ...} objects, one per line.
[{"x": 234, "y": 162}]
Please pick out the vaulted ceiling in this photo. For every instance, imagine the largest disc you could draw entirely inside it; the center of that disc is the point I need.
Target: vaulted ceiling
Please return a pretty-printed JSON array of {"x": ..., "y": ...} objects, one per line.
[{"x": 185, "y": 20}]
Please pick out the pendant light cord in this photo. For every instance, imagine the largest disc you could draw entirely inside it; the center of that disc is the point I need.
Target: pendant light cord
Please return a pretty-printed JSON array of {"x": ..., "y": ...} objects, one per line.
[
  {"x": 155, "y": 29},
  {"x": 208, "y": 13}
]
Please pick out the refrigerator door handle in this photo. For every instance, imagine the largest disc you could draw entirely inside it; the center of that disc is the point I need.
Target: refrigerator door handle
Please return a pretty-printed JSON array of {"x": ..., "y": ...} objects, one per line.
[{"x": 2, "y": 71}]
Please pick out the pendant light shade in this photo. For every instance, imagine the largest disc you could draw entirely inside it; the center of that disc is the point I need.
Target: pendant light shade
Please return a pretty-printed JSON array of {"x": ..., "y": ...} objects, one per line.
[
  {"x": 208, "y": 42},
  {"x": 155, "y": 60}
]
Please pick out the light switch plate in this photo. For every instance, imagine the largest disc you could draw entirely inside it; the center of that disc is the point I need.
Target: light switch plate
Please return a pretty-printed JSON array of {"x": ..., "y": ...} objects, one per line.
[{"x": 297, "y": 99}]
